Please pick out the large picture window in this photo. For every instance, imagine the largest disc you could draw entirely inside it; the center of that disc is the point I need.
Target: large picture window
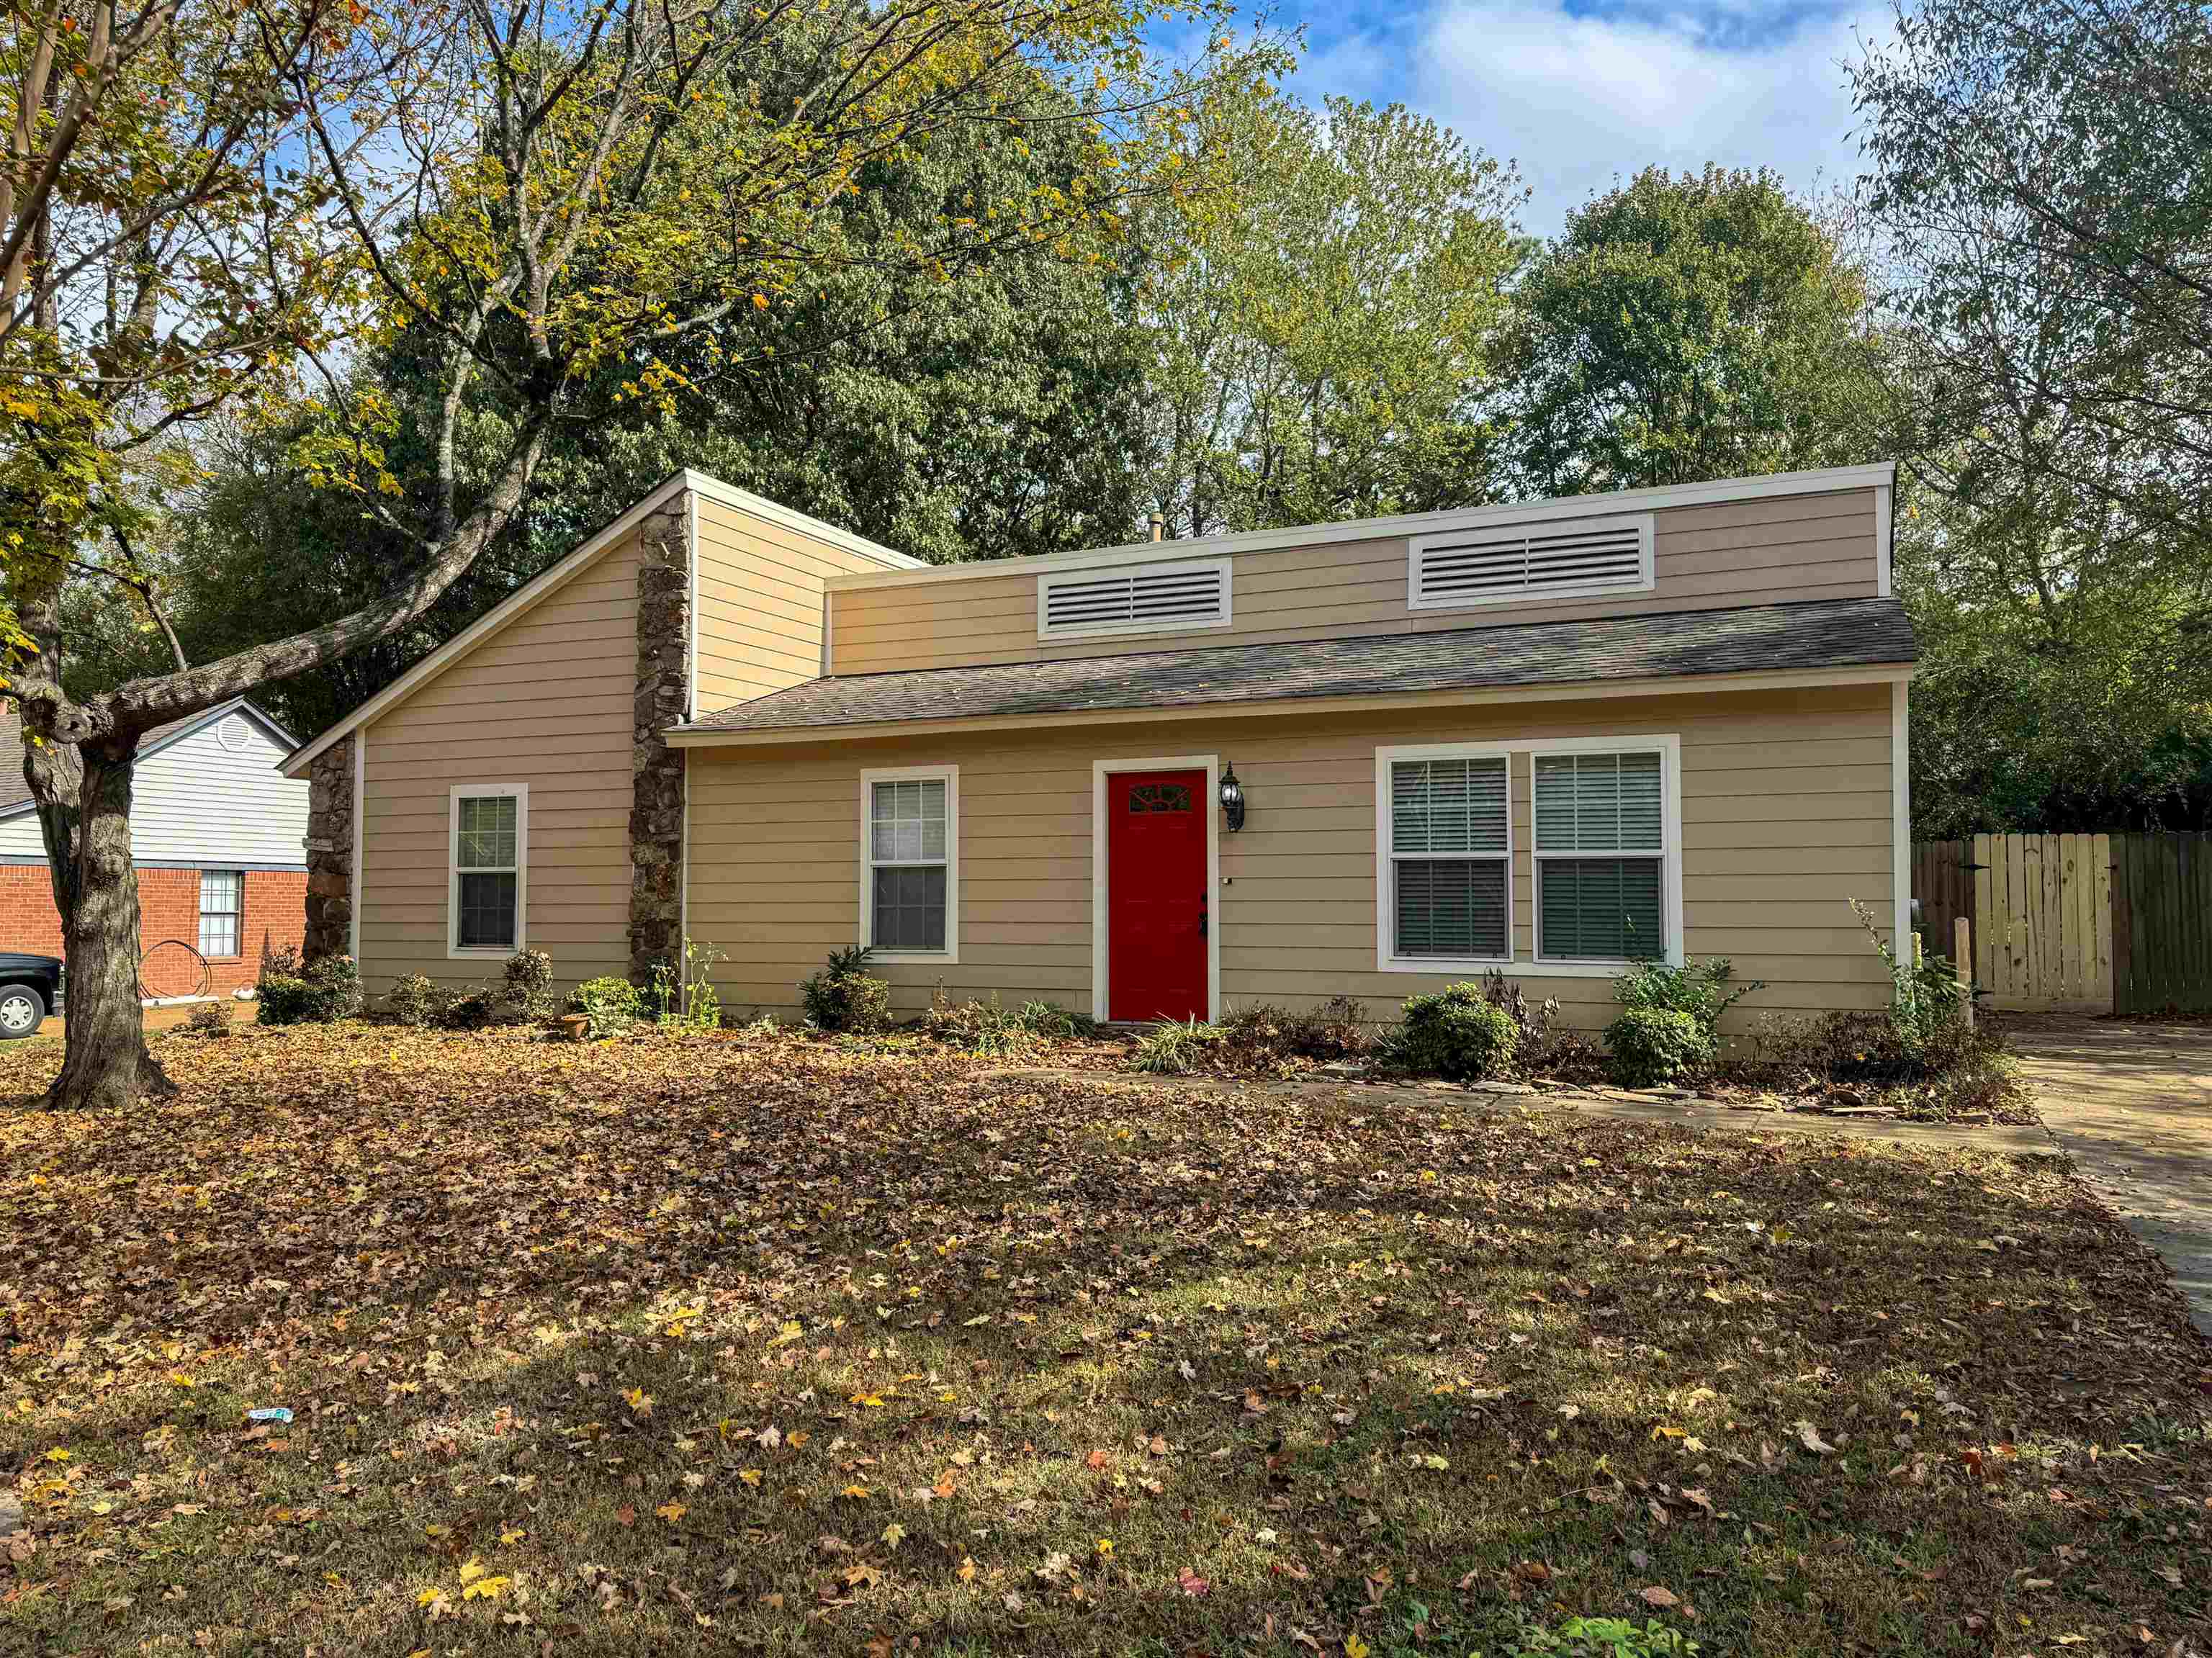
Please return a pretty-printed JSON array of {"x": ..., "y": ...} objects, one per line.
[
  {"x": 910, "y": 859},
  {"x": 1601, "y": 847},
  {"x": 1450, "y": 858},
  {"x": 489, "y": 848}
]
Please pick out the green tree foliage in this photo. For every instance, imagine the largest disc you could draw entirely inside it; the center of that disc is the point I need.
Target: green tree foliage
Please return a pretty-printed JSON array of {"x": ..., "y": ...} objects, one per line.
[
  {"x": 986, "y": 410},
  {"x": 1321, "y": 304},
  {"x": 561, "y": 211},
  {"x": 1691, "y": 327},
  {"x": 2040, "y": 168},
  {"x": 2062, "y": 686}
]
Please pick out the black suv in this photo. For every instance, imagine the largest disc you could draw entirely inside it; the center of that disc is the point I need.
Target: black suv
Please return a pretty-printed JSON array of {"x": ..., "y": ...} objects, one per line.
[{"x": 30, "y": 988}]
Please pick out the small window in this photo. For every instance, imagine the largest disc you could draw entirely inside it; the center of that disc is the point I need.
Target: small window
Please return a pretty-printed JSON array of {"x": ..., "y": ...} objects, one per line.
[
  {"x": 910, "y": 892},
  {"x": 1450, "y": 852},
  {"x": 1143, "y": 599},
  {"x": 1159, "y": 796},
  {"x": 1601, "y": 855},
  {"x": 223, "y": 911},
  {"x": 490, "y": 839}
]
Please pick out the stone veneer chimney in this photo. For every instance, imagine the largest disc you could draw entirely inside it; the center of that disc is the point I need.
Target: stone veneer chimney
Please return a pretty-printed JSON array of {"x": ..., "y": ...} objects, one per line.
[
  {"x": 330, "y": 850},
  {"x": 656, "y": 813}
]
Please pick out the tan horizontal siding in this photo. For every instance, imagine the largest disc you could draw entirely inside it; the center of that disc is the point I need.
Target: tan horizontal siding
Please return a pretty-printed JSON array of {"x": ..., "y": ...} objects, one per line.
[
  {"x": 1786, "y": 807},
  {"x": 546, "y": 701},
  {"x": 760, "y": 604},
  {"x": 1781, "y": 550}
]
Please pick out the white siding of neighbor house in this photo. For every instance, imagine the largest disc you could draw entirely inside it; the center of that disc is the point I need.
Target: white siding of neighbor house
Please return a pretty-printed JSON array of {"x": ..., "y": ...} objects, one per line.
[{"x": 197, "y": 803}]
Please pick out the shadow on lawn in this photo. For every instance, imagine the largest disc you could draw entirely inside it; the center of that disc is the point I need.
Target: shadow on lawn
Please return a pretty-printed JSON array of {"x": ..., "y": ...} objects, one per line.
[{"x": 993, "y": 1323}]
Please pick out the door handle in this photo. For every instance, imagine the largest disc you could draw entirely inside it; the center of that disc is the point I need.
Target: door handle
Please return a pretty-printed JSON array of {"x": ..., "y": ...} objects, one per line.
[{"x": 1202, "y": 915}]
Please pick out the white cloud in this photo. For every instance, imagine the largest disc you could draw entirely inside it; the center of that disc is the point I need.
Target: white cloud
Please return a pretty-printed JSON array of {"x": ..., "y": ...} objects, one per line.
[{"x": 1576, "y": 100}]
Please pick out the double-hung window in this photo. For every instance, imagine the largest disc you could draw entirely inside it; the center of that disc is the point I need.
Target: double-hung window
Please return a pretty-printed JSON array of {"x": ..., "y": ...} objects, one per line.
[
  {"x": 1600, "y": 821},
  {"x": 910, "y": 862},
  {"x": 1450, "y": 858},
  {"x": 222, "y": 904},
  {"x": 490, "y": 843}
]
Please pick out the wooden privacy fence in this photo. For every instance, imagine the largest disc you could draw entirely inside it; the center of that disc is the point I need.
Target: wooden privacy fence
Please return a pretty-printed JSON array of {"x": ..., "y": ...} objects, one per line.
[
  {"x": 2041, "y": 908},
  {"x": 2161, "y": 923},
  {"x": 2078, "y": 923}
]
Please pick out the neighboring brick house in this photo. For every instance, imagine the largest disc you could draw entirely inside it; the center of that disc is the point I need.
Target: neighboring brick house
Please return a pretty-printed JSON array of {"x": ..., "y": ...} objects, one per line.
[{"x": 219, "y": 836}]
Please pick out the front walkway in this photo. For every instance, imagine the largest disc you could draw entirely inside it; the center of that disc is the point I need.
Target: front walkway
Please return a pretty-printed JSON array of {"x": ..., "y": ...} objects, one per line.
[{"x": 2130, "y": 1102}]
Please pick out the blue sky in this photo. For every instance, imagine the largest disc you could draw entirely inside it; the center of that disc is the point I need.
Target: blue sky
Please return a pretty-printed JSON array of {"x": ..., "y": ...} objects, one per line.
[{"x": 1578, "y": 91}]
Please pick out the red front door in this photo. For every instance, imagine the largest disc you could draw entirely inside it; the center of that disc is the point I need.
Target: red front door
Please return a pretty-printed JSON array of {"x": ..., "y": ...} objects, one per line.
[{"x": 1156, "y": 894}]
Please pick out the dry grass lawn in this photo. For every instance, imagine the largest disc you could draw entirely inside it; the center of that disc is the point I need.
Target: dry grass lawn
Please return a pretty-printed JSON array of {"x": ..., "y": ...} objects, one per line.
[{"x": 762, "y": 1345}]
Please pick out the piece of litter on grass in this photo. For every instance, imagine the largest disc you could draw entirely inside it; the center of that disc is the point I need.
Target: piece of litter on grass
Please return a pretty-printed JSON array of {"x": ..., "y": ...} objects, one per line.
[{"x": 270, "y": 1413}]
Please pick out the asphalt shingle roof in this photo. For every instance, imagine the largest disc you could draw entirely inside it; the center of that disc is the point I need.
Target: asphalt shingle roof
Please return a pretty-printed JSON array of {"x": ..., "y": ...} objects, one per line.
[{"x": 1823, "y": 634}]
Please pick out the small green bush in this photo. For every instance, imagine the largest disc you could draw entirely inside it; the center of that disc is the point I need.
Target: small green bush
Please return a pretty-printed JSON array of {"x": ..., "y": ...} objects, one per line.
[
  {"x": 609, "y": 1005},
  {"x": 1602, "y": 1637},
  {"x": 319, "y": 993},
  {"x": 1456, "y": 1033},
  {"x": 1655, "y": 1045},
  {"x": 1700, "y": 989},
  {"x": 415, "y": 1001},
  {"x": 845, "y": 997},
  {"x": 1171, "y": 1049}
]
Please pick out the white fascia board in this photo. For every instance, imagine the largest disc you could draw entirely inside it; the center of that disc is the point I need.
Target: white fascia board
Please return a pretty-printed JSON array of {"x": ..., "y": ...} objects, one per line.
[{"x": 1880, "y": 474}]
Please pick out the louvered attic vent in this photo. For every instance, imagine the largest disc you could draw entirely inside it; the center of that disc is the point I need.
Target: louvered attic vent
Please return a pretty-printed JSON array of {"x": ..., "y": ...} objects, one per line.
[
  {"x": 1506, "y": 563},
  {"x": 1142, "y": 598}
]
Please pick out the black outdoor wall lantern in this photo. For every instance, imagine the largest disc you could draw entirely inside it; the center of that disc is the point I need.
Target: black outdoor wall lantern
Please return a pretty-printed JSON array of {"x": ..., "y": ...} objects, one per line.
[{"x": 1233, "y": 798}]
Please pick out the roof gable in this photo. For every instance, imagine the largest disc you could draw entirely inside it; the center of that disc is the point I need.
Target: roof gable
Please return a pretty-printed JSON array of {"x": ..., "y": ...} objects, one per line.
[
  {"x": 15, "y": 793},
  {"x": 549, "y": 581}
]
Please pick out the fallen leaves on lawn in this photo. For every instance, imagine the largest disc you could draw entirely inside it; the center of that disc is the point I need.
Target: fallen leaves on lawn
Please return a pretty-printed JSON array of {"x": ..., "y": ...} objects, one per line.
[{"x": 1037, "y": 1343}]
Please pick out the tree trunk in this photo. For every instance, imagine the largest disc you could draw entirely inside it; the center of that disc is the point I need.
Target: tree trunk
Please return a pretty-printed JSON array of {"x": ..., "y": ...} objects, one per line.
[{"x": 105, "y": 1064}]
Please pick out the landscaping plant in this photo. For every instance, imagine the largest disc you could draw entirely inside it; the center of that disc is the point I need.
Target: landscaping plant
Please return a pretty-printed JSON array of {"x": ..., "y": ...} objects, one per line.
[
  {"x": 610, "y": 1005},
  {"x": 526, "y": 987},
  {"x": 1171, "y": 1048},
  {"x": 415, "y": 1001},
  {"x": 1457, "y": 1033},
  {"x": 1652, "y": 1046},
  {"x": 845, "y": 996},
  {"x": 319, "y": 992},
  {"x": 686, "y": 1000}
]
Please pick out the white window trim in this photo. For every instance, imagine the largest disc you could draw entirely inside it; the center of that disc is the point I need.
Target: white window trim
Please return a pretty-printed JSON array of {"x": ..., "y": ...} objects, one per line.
[
  {"x": 1386, "y": 859},
  {"x": 1100, "y": 771},
  {"x": 455, "y": 950},
  {"x": 950, "y": 775},
  {"x": 1047, "y": 579},
  {"x": 1647, "y": 568},
  {"x": 1669, "y": 751},
  {"x": 238, "y": 949},
  {"x": 1668, "y": 744}
]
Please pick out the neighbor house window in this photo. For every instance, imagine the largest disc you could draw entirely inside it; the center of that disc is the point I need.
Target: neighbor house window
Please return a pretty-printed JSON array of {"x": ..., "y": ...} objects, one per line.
[
  {"x": 910, "y": 850},
  {"x": 1450, "y": 858},
  {"x": 490, "y": 845},
  {"x": 222, "y": 904},
  {"x": 1601, "y": 849}
]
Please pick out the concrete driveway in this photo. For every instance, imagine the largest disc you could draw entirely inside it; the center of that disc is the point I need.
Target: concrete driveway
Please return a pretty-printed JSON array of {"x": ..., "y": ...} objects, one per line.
[{"x": 2130, "y": 1102}]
